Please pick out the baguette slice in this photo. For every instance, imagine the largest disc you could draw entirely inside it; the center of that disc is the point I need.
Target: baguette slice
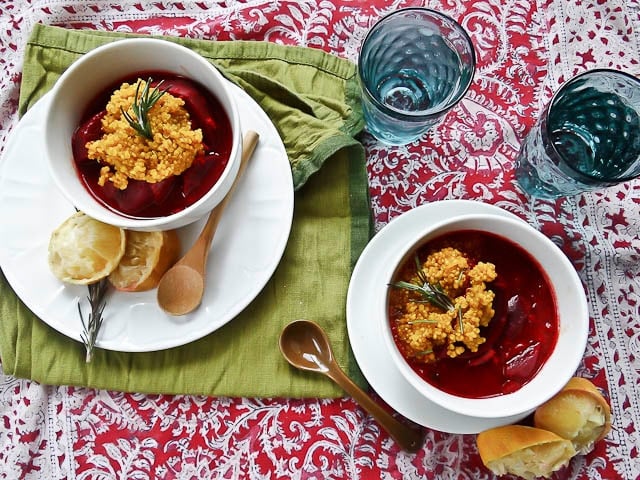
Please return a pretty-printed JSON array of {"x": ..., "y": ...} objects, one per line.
[
  {"x": 578, "y": 413},
  {"x": 524, "y": 451}
]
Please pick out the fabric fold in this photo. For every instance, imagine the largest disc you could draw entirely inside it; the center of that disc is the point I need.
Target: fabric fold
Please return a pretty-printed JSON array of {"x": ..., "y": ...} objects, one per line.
[{"x": 311, "y": 96}]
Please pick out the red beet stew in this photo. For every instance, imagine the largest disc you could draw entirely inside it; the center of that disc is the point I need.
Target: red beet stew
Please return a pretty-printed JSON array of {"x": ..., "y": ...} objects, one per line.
[
  {"x": 515, "y": 313},
  {"x": 145, "y": 199}
]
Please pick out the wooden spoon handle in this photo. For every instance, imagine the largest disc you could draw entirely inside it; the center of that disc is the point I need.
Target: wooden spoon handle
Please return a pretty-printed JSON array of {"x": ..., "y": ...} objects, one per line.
[
  {"x": 409, "y": 439},
  {"x": 196, "y": 257},
  {"x": 249, "y": 143}
]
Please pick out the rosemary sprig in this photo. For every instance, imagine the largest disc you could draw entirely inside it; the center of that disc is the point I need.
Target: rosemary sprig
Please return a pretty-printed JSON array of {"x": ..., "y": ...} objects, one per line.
[
  {"x": 91, "y": 327},
  {"x": 422, "y": 320},
  {"x": 142, "y": 103},
  {"x": 424, "y": 352},
  {"x": 430, "y": 293}
]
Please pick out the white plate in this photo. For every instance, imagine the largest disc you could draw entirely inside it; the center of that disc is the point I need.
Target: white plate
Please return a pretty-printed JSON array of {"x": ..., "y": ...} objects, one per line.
[
  {"x": 246, "y": 250},
  {"x": 368, "y": 346}
]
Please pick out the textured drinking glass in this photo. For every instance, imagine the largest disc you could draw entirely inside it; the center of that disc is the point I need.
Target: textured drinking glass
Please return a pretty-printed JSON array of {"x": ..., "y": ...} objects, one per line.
[
  {"x": 415, "y": 65},
  {"x": 588, "y": 137}
]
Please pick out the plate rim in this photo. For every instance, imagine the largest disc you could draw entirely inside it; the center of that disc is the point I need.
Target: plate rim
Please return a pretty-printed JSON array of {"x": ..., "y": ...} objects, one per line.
[
  {"x": 370, "y": 351},
  {"x": 250, "y": 113}
]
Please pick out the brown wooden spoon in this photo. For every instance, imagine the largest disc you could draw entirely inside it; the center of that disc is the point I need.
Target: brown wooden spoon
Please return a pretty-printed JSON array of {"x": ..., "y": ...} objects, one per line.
[
  {"x": 306, "y": 346},
  {"x": 181, "y": 288}
]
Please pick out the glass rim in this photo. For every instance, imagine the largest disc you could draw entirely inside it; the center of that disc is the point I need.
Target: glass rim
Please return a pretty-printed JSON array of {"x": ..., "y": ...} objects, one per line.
[
  {"x": 413, "y": 116},
  {"x": 552, "y": 101}
]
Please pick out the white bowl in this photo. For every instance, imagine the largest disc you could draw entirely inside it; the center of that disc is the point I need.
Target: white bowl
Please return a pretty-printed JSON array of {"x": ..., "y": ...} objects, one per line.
[
  {"x": 101, "y": 68},
  {"x": 571, "y": 307}
]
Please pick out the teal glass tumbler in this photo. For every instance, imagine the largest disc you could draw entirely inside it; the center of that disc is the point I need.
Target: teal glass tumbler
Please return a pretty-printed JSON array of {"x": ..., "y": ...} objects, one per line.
[
  {"x": 587, "y": 138},
  {"x": 415, "y": 64}
]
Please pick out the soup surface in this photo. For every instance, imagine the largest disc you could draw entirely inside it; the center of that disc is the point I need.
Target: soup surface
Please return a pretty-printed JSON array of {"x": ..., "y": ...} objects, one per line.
[
  {"x": 518, "y": 338},
  {"x": 143, "y": 199}
]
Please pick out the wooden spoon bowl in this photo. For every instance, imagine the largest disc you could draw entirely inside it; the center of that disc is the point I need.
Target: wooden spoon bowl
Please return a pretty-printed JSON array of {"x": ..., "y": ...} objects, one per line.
[
  {"x": 181, "y": 288},
  {"x": 305, "y": 345}
]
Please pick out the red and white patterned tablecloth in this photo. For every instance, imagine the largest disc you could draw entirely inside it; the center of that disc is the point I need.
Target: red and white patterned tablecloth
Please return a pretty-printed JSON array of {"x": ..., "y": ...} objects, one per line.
[{"x": 525, "y": 49}]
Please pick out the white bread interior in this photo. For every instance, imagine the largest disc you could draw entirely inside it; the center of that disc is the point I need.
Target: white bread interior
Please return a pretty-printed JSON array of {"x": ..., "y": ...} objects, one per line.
[
  {"x": 577, "y": 415},
  {"x": 524, "y": 451}
]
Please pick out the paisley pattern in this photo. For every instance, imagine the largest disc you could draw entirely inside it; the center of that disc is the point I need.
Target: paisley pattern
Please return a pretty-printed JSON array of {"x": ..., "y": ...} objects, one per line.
[{"x": 525, "y": 50}]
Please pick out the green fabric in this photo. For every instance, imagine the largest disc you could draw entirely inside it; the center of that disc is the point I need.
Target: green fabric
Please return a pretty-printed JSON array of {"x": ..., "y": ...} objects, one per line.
[
  {"x": 295, "y": 86},
  {"x": 311, "y": 97}
]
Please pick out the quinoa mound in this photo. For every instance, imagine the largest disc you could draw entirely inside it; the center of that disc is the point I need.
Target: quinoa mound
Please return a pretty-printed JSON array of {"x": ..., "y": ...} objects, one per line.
[
  {"x": 126, "y": 155},
  {"x": 423, "y": 327}
]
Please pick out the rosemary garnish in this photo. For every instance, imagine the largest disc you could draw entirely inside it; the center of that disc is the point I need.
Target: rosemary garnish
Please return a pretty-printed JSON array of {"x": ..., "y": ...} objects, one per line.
[
  {"x": 421, "y": 320},
  {"x": 141, "y": 105},
  {"x": 91, "y": 328},
  {"x": 431, "y": 293}
]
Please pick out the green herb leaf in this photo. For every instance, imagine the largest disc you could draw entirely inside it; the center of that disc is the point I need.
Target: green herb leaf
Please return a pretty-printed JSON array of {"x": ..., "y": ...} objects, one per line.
[
  {"x": 431, "y": 293},
  {"x": 91, "y": 327},
  {"x": 142, "y": 103},
  {"x": 421, "y": 320}
]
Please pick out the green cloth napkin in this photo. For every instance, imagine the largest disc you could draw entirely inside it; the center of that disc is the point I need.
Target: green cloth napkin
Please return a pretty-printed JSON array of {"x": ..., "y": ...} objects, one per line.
[{"x": 297, "y": 87}]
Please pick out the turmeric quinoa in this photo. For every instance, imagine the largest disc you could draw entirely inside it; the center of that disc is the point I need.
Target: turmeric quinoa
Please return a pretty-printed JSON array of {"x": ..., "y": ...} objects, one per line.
[
  {"x": 126, "y": 155},
  {"x": 424, "y": 328}
]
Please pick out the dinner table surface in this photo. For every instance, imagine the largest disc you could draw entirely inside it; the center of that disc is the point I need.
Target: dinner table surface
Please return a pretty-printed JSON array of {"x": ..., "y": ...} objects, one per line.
[{"x": 525, "y": 49}]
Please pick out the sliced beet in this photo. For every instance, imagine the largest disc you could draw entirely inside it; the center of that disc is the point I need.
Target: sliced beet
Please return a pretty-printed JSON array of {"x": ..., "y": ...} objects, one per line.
[
  {"x": 195, "y": 102},
  {"x": 136, "y": 197},
  {"x": 88, "y": 131}
]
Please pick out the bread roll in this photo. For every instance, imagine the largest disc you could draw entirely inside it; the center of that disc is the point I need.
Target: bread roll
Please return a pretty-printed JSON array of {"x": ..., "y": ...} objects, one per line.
[
  {"x": 147, "y": 256},
  {"x": 524, "y": 451},
  {"x": 578, "y": 413}
]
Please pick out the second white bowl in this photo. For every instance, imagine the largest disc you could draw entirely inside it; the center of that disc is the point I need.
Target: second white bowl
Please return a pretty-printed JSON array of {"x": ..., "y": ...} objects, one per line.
[{"x": 571, "y": 309}]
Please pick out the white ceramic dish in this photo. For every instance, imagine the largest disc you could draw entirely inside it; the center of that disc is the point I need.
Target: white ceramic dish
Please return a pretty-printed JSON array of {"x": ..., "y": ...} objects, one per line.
[
  {"x": 368, "y": 345},
  {"x": 571, "y": 303},
  {"x": 246, "y": 250},
  {"x": 98, "y": 70}
]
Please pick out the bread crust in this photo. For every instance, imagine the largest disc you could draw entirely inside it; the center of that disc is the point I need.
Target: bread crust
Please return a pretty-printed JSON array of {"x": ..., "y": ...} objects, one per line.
[
  {"x": 169, "y": 254},
  {"x": 499, "y": 442},
  {"x": 578, "y": 413},
  {"x": 567, "y": 424},
  {"x": 524, "y": 451},
  {"x": 161, "y": 258}
]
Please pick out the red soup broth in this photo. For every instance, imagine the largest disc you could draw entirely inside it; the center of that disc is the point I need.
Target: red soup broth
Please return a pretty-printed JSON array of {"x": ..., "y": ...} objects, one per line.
[
  {"x": 150, "y": 200},
  {"x": 519, "y": 338}
]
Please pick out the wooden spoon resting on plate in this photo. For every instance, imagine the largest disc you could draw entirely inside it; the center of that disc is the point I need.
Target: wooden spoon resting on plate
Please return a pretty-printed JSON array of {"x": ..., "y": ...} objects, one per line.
[
  {"x": 306, "y": 346},
  {"x": 181, "y": 288}
]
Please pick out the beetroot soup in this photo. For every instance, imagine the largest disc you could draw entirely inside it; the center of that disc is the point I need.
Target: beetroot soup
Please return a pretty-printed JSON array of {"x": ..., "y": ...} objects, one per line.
[
  {"x": 487, "y": 322},
  {"x": 155, "y": 198}
]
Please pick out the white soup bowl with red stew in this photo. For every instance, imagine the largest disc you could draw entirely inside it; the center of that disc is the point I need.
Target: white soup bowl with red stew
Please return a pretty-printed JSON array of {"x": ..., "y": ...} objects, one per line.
[
  {"x": 536, "y": 338},
  {"x": 78, "y": 101}
]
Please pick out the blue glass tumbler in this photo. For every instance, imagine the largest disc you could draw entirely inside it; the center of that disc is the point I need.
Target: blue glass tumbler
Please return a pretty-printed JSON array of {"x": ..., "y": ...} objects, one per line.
[
  {"x": 587, "y": 138},
  {"x": 415, "y": 64}
]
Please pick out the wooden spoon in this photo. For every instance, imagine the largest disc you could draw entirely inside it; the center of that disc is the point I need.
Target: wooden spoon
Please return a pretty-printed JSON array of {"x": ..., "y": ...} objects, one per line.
[
  {"x": 181, "y": 288},
  {"x": 306, "y": 346}
]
